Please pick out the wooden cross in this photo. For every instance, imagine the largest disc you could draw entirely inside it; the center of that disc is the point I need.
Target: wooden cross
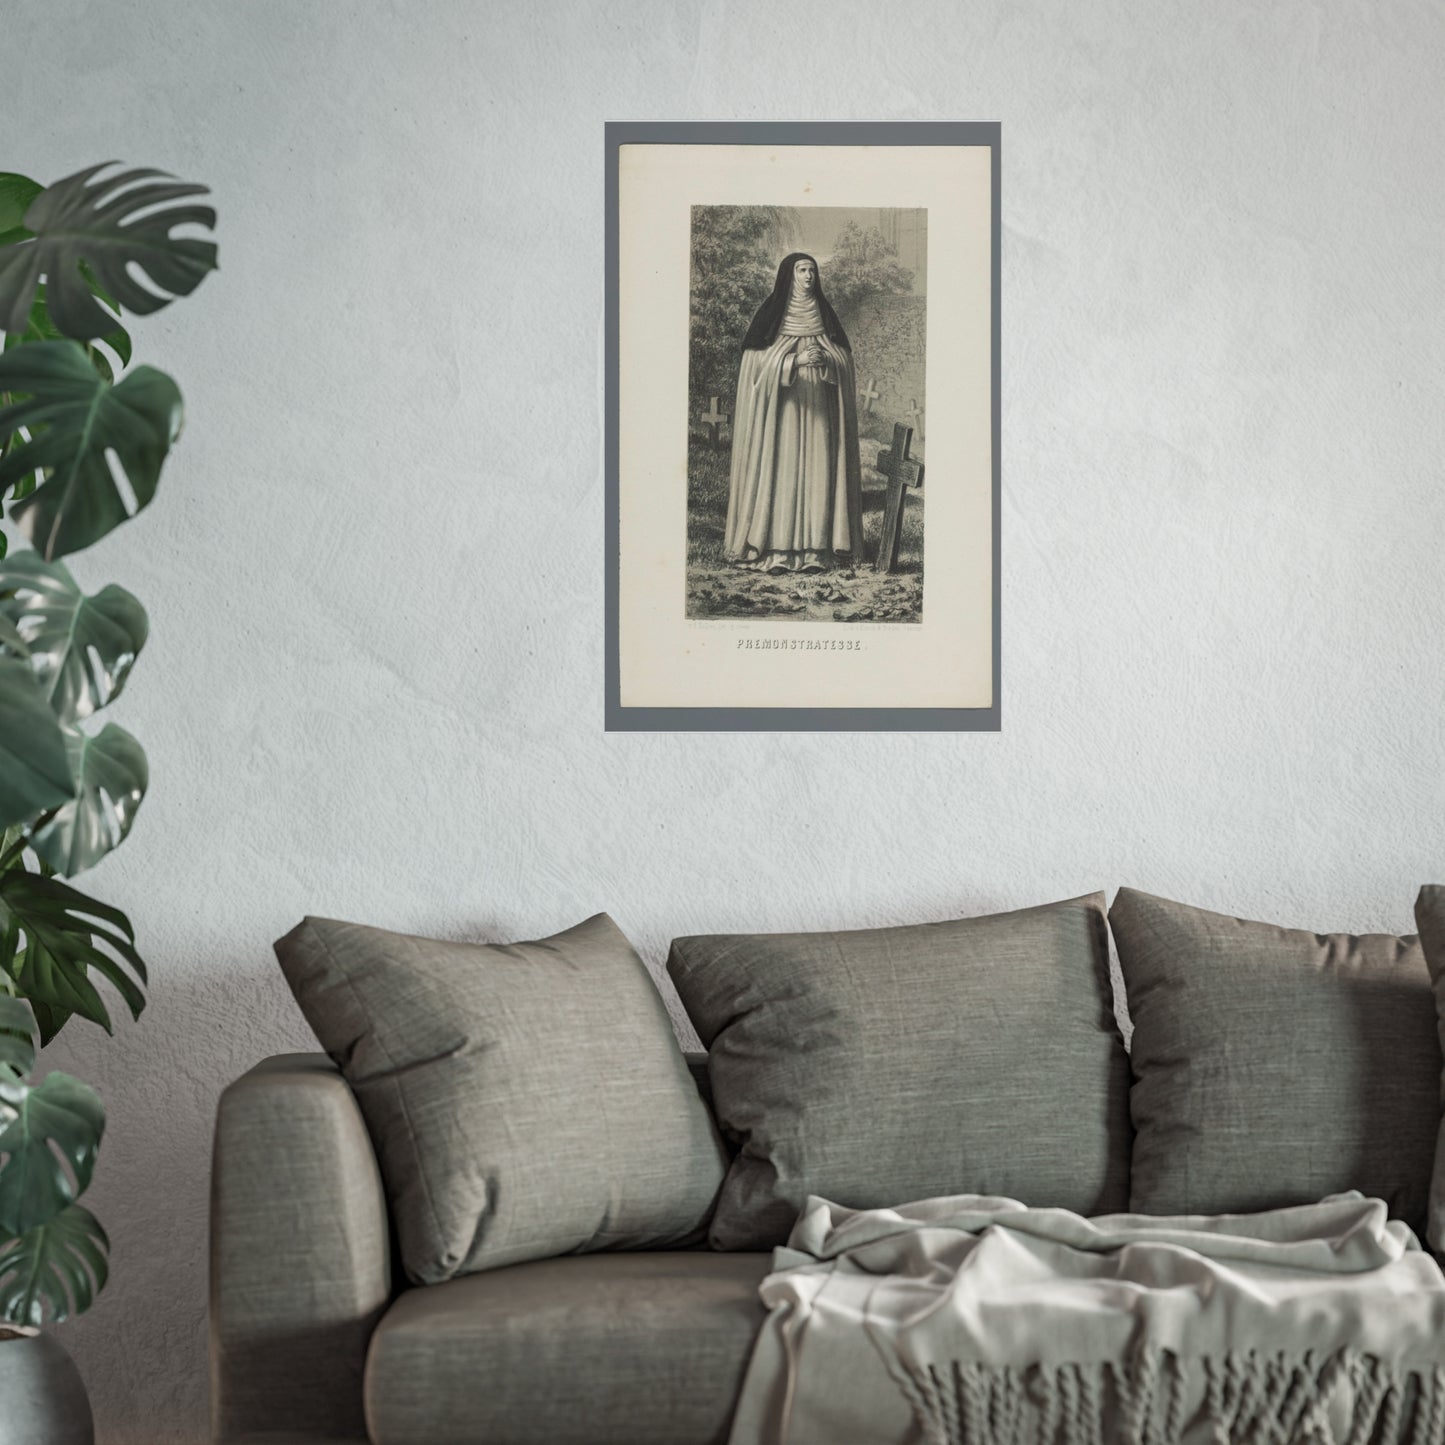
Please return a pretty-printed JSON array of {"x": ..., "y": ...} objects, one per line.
[
  {"x": 714, "y": 418},
  {"x": 868, "y": 394},
  {"x": 915, "y": 416},
  {"x": 902, "y": 471}
]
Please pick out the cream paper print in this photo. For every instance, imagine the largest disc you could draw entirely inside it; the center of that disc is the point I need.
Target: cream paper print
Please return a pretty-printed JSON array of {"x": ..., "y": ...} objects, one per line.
[{"x": 752, "y": 580}]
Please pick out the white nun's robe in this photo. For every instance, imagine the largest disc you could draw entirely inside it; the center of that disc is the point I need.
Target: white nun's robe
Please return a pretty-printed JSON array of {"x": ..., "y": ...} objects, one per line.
[{"x": 795, "y": 495}]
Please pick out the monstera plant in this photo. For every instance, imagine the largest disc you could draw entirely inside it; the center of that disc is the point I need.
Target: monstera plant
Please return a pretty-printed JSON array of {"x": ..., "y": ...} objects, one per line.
[{"x": 84, "y": 435}]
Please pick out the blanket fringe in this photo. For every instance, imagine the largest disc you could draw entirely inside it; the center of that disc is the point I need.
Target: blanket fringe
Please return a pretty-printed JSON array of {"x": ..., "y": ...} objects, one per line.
[{"x": 1249, "y": 1398}]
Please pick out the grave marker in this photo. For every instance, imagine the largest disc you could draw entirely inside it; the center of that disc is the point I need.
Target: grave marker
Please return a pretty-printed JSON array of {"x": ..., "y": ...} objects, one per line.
[
  {"x": 713, "y": 419},
  {"x": 869, "y": 393},
  {"x": 902, "y": 471}
]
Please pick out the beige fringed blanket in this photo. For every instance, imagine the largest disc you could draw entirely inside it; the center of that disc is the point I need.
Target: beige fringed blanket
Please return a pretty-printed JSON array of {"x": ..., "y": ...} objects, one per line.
[{"x": 976, "y": 1321}]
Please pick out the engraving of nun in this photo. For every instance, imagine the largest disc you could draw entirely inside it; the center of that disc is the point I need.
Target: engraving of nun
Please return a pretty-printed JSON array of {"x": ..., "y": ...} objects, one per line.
[{"x": 795, "y": 487}]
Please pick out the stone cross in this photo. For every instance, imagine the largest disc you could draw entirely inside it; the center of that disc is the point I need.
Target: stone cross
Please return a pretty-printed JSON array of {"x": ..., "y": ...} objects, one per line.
[
  {"x": 902, "y": 471},
  {"x": 915, "y": 416},
  {"x": 714, "y": 418},
  {"x": 869, "y": 393}
]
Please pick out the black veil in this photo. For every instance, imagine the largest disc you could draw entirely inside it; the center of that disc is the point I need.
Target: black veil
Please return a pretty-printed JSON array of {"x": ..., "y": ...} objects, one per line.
[{"x": 764, "y": 330}]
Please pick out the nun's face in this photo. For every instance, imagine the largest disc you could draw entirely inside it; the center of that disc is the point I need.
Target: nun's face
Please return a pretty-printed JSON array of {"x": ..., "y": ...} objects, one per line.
[{"x": 804, "y": 275}]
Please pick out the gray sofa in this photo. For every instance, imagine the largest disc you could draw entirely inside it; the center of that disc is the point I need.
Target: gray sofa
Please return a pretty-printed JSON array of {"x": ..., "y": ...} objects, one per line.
[
  {"x": 1268, "y": 1067},
  {"x": 312, "y": 1340}
]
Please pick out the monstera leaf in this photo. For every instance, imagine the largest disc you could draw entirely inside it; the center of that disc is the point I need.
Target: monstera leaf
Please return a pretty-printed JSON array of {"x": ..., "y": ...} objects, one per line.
[
  {"x": 17, "y": 1039},
  {"x": 76, "y": 419},
  {"x": 52, "y": 936},
  {"x": 34, "y": 763},
  {"x": 110, "y": 776},
  {"x": 16, "y": 195},
  {"x": 55, "y": 1271},
  {"x": 96, "y": 224},
  {"x": 50, "y": 1132},
  {"x": 41, "y": 328},
  {"x": 81, "y": 648}
]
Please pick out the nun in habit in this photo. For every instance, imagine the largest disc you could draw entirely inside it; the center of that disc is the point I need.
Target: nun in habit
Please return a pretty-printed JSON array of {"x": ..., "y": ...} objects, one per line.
[{"x": 795, "y": 494}]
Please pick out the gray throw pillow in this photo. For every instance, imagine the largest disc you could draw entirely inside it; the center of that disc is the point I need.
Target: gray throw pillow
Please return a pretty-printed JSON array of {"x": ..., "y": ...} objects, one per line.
[
  {"x": 524, "y": 1099},
  {"x": 1274, "y": 1066},
  {"x": 882, "y": 1065},
  {"x": 1430, "y": 920}
]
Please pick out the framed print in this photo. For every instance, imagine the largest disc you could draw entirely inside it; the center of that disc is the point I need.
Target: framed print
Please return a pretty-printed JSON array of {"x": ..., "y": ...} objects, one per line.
[{"x": 802, "y": 387}]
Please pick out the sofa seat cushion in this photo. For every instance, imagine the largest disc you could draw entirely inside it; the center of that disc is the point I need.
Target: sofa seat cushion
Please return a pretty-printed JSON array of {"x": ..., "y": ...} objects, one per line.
[{"x": 644, "y": 1348}]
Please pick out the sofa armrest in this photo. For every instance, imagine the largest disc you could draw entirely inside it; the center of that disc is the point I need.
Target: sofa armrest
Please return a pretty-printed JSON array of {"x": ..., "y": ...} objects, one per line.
[{"x": 300, "y": 1254}]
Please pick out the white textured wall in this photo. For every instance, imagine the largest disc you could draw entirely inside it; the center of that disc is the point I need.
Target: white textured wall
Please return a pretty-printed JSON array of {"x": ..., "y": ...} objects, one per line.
[{"x": 374, "y": 686}]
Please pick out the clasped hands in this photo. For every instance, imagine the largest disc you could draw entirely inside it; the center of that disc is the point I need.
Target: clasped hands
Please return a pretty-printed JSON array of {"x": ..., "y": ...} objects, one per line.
[{"x": 811, "y": 354}]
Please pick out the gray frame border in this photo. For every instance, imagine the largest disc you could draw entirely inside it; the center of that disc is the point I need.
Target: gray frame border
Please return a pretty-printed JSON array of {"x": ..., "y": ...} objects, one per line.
[{"x": 785, "y": 719}]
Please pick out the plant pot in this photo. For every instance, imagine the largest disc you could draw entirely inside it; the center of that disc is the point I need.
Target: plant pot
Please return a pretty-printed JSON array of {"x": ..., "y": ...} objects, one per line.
[{"x": 42, "y": 1397}]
